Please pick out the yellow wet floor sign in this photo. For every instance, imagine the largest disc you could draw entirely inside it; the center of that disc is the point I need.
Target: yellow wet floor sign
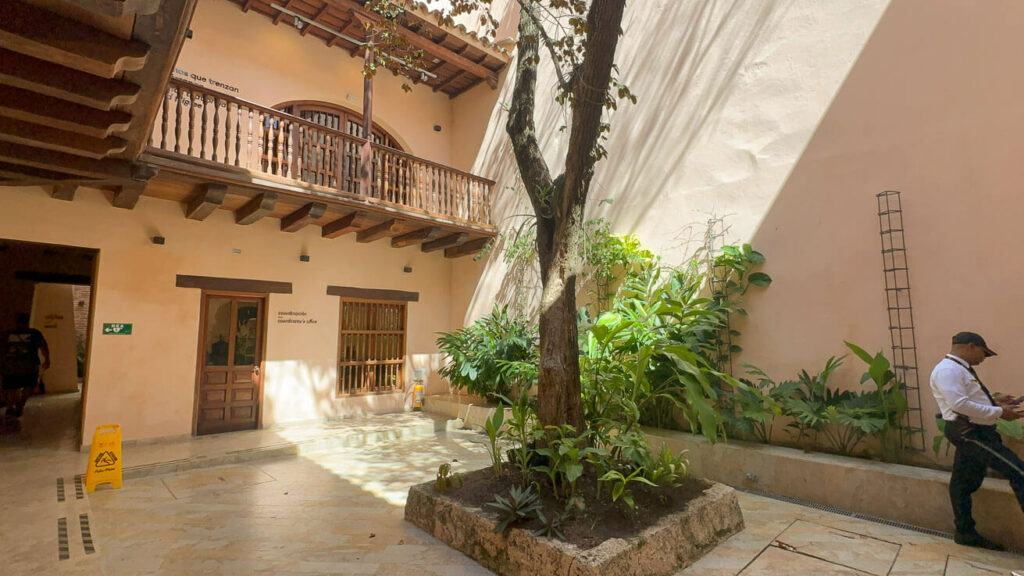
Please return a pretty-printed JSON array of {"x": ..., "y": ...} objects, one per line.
[{"x": 104, "y": 458}]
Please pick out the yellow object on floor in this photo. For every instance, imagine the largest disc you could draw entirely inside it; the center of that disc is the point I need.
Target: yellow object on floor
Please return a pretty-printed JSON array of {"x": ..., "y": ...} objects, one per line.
[{"x": 104, "y": 458}]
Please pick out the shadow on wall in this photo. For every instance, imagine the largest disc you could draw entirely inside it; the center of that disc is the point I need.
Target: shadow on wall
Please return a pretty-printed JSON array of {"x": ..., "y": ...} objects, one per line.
[
  {"x": 931, "y": 108},
  {"x": 678, "y": 106}
]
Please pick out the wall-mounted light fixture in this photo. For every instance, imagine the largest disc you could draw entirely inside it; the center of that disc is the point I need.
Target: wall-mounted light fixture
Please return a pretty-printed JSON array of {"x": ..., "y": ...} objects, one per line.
[
  {"x": 236, "y": 250},
  {"x": 303, "y": 257},
  {"x": 407, "y": 269},
  {"x": 158, "y": 240},
  {"x": 437, "y": 127}
]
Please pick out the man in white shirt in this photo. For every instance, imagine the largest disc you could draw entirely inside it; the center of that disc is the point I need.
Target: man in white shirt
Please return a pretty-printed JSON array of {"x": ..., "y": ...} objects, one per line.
[{"x": 971, "y": 413}]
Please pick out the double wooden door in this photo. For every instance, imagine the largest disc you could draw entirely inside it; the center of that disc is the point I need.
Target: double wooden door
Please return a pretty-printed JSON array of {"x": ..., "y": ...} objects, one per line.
[{"x": 228, "y": 390}]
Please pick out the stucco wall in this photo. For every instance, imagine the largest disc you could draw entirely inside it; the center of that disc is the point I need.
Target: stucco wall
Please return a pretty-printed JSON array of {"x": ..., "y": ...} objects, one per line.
[
  {"x": 145, "y": 382},
  {"x": 273, "y": 64},
  {"x": 787, "y": 118}
]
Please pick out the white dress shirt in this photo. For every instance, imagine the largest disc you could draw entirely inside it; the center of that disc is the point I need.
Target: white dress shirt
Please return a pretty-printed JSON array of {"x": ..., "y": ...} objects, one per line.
[{"x": 957, "y": 391}]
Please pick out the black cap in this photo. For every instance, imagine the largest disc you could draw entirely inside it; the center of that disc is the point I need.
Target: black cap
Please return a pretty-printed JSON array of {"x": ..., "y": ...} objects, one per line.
[{"x": 972, "y": 338}]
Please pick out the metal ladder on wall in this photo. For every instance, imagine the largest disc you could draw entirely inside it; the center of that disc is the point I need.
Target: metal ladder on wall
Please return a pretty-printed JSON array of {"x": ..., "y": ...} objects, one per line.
[{"x": 896, "y": 269}]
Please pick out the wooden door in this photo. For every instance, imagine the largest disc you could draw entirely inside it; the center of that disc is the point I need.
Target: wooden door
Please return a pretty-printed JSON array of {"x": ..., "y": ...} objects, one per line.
[{"x": 228, "y": 391}]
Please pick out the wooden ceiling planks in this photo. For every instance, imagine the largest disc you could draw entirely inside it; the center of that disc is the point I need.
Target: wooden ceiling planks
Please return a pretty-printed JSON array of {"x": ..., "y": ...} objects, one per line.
[
  {"x": 458, "y": 61},
  {"x": 80, "y": 82}
]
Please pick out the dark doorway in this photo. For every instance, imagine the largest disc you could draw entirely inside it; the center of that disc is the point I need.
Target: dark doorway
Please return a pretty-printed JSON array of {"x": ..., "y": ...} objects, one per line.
[{"x": 54, "y": 284}]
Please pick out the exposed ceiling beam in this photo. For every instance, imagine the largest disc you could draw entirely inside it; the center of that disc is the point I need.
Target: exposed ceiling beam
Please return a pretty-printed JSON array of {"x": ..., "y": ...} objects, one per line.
[
  {"x": 107, "y": 168},
  {"x": 118, "y": 8},
  {"x": 427, "y": 45},
  {"x": 127, "y": 195},
  {"x": 381, "y": 230},
  {"x": 209, "y": 198},
  {"x": 50, "y": 79},
  {"x": 303, "y": 217},
  {"x": 471, "y": 247},
  {"x": 281, "y": 15},
  {"x": 445, "y": 241},
  {"x": 64, "y": 191},
  {"x": 316, "y": 18},
  {"x": 341, "y": 226},
  {"x": 56, "y": 113},
  {"x": 25, "y": 175},
  {"x": 415, "y": 237},
  {"x": 20, "y": 132},
  {"x": 255, "y": 209},
  {"x": 165, "y": 33},
  {"x": 36, "y": 32}
]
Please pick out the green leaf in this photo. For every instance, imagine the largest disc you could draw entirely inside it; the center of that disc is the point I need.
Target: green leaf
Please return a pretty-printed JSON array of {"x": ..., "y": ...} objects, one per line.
[
  {"x": 759, "y": 279},
  {"x": 860, "y": 352}
]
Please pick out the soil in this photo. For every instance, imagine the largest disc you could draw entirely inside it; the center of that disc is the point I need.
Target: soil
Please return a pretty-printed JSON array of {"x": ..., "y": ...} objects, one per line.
[{"x": 601, "y": 518}]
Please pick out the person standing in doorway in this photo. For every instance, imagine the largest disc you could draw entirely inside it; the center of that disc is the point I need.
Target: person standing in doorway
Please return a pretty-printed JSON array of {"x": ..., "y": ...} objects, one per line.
[
  {"x": 20, "y": 363},
  {"x": 971, "y": 413}
]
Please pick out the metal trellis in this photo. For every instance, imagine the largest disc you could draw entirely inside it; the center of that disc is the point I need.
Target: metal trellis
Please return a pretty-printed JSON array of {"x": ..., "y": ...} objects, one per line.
[{"x": 896, "y": 269}]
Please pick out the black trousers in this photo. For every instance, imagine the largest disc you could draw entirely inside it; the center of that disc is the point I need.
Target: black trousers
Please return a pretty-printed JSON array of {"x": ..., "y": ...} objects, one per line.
[{"x": 976, "y": 451}]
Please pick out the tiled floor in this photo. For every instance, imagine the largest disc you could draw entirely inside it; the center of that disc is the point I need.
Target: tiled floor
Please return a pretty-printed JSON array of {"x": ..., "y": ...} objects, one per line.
[{"x": 334, "y": 506}]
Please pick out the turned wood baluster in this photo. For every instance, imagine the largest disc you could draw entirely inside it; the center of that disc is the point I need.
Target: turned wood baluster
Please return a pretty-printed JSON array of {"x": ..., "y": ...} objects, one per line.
[
  {"x": 248, "y": 143},
  {"x": 279, "y": 151},
  {"x": 293, "y": 143},
  {"x": 171, "y": 92},
  {"x": 216, "y": 126},
  {"x": 261, "y": 134},
  {"x": 177, "y": 121},
  {"x": 238, "y": 132},
  {"x": 202, "y": 131},
  {"x": 227, "y": 132}
]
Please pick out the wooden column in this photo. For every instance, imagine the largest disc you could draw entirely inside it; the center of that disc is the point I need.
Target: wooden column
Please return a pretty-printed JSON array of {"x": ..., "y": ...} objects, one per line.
[{"x": 366, "y": 155}]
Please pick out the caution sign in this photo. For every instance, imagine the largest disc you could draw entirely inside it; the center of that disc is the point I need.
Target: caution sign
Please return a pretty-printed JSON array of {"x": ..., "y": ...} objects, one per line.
[{"x": 104, "y": 458}]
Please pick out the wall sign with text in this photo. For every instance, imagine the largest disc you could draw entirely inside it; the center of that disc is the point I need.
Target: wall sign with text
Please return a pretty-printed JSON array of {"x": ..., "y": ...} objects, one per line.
[{"x": 117, "y": 329}]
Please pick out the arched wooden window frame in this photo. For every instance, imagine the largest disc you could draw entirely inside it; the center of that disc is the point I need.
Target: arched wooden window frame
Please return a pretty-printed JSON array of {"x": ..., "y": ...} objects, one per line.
[{"x": 349, "y": 121}]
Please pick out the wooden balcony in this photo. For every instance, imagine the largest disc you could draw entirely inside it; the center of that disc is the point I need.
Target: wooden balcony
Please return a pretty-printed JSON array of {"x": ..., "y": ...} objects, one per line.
[{"x": 214, "y": 150}]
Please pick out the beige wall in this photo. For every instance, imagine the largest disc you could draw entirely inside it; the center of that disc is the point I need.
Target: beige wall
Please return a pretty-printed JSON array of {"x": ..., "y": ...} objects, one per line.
[
  {"x": 53, "y": 315},
  {"x": 787, "y": 118},
  {"x": 145, "y": 382},
  {"x": 273, "y": 64}
]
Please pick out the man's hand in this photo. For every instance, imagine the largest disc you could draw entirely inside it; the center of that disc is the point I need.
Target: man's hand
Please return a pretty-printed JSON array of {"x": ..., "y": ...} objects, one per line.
[
  {"x": 1010, "y": 413},
  {"x": 1006, "y": 400}
]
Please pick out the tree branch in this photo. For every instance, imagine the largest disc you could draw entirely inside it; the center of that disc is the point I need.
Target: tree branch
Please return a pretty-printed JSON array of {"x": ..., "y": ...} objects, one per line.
[
  {"x": 590, "y": 86},
  {"x": 532, "y": 13},
  {"x": 520, "y": 126}
]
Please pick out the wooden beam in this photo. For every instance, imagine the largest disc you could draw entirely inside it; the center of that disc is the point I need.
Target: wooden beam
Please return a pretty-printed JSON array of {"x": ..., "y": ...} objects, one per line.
[
  {"x": 471, "y": 247},
  {"x": 341, "y": 226},
  {"x": 56, "y": 113},
  {"x": 20, "y": 132},
  {"x": 107, "y": 168},
  {"x": 25, "y": 175},
  {"x": 117, "y": 8},
  {"x": 373, "y": 293},
  {"x": 64, "y": 191},
  {"x": 255, "y": 209},
  {"x": 36, "y": 32},
  {"x": 281, "y": 15},
  {"x": 49, "y": 79},
  {"x": 247, "y": 5},
  {"x": 316, "y": 18},
  {"x": 302, "y": 217},
  {"x": 209, "y": 198},
  {"x": 165, "y": 32},
  {"x": 445, "y": 242},
  {"x": 379, "y": 231},
  {"x": 127, "y": 195},
  {"x": 233, "y": 284},
  {"x": 428, "y": 46},
  {"x": 415, "y": 237}
]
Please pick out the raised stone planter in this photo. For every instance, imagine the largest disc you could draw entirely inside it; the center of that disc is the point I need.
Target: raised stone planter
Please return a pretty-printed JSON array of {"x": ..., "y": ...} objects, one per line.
[{"x": 675, "y": 542}]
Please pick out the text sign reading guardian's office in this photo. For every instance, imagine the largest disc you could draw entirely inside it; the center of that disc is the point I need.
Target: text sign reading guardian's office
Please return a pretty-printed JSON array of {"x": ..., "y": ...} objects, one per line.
[{"x": 117, "y": 329}]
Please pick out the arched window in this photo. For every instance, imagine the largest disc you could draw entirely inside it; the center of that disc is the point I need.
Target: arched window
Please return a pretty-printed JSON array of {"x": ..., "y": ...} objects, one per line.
[{"x": 318, "y": 151}]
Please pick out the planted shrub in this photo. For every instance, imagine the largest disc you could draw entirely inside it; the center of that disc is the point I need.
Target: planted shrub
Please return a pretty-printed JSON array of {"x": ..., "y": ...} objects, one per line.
[{"x": 496, "y": 357}]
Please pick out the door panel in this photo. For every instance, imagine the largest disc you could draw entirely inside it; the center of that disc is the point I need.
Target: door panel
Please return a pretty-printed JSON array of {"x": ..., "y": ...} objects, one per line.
[{"x": 229, "y": 385}]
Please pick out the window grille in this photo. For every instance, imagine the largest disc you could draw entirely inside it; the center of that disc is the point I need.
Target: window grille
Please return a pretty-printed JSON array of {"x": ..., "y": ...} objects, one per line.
[{"x": 371, "y": 338}]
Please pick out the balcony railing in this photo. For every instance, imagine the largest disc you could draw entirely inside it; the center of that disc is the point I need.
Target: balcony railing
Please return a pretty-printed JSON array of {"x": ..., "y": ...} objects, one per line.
[{"x": 203, "y": 124}]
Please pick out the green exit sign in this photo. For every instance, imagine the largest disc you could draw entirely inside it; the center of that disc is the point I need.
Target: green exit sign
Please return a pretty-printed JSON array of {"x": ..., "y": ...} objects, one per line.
[{"x": 117, "y": 329}]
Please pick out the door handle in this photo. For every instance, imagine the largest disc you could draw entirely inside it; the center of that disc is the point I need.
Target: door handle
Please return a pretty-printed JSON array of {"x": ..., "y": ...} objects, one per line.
[{"x": 256, "y": 370}]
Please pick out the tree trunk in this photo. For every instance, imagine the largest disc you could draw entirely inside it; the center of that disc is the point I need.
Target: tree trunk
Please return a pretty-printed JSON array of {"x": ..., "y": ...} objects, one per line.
[{"x": 558, "y": 203}]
